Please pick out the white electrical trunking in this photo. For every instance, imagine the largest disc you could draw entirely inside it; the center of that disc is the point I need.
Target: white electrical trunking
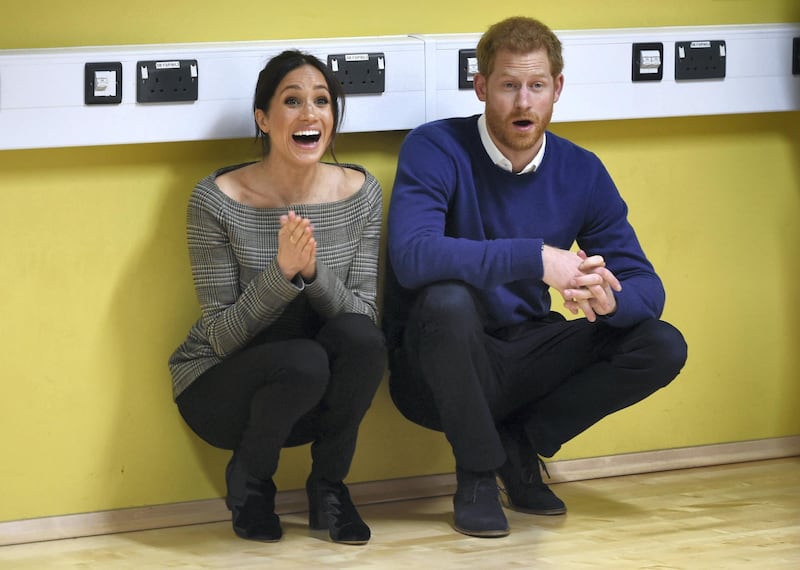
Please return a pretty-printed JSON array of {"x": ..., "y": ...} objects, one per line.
[
  {"x": 43, "y": 95},
  {"x": 88, "y": 96}
]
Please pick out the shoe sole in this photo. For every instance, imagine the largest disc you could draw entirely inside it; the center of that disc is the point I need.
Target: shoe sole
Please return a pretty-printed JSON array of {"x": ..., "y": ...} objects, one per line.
[
  {"x": 255, "y": 539},
  {"x": 323, "y": 533},
  {"x": 544, "y": 513},
  {"x": 498, "y": 533},
  {"x": 259, "y": 538}
]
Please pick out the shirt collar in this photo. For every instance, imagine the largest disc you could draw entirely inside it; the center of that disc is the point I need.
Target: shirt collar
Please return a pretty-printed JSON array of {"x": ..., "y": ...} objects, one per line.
[{"x": 499, "y": 159}]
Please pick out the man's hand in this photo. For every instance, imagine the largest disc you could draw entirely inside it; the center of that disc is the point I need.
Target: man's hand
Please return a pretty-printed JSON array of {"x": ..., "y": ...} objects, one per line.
[
  {"x": 592, "y": 291},
  {"x": 560, "y": 267}
]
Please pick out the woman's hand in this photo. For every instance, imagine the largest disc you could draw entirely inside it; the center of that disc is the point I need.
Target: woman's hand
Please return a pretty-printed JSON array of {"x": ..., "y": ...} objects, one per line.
[{"x": 297, "y": 248}]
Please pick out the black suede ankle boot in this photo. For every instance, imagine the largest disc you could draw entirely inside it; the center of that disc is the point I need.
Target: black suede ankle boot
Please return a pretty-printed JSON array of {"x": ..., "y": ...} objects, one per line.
[
  {"x": 330, "y": 507},
  {"x": 252, "y": 504}
]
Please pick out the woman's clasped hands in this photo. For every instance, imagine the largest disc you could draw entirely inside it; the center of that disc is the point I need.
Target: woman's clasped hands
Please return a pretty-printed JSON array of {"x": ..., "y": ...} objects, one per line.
[{"x": 297, "y": 248}]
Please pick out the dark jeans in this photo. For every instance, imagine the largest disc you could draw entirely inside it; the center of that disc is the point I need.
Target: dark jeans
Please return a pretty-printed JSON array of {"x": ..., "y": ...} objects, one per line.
[
  {"x": 274, "y": 394},
  {"x": 550, "y": 378}
]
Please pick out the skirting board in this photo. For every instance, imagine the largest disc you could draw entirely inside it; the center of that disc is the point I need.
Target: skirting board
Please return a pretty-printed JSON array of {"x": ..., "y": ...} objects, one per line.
[{"x": 214, "y": 510}]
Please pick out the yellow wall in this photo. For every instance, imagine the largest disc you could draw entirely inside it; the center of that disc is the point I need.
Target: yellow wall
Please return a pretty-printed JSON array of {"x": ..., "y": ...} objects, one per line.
[{"x": 96, "y": 288}]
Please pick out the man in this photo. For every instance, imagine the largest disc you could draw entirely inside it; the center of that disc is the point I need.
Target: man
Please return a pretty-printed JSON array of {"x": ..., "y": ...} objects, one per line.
[{"x": 483, "y": 214}]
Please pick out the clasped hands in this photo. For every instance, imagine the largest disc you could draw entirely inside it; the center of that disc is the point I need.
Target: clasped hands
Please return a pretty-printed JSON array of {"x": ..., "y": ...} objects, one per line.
[
  {"x": 297, "y": 248},
  {"x": 585, "y": 283}
]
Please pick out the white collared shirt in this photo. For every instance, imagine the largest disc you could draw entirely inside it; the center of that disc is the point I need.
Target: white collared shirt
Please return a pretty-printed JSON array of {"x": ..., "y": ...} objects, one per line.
[{"x": 499, "y": 158}]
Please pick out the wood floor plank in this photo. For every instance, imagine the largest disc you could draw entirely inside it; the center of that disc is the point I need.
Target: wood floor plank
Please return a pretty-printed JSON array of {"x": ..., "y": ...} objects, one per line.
[{"x": 733, "y": 516}]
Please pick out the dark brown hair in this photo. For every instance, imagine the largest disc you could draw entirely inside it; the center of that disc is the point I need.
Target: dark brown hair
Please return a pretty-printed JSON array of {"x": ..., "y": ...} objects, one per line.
[{"x": 279, "y": 67}]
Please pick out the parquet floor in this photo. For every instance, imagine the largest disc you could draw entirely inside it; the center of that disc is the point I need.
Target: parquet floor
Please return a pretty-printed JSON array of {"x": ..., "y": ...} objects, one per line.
[{"x": 734, "y": 516}]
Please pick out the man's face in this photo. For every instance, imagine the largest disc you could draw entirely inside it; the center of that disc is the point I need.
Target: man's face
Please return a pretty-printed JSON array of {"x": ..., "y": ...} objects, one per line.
[{"x": 519, "y": 95}]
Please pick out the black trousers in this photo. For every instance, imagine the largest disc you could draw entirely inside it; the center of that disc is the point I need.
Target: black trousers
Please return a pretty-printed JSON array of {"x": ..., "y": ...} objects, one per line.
[
  {"x": 275, "y": 394},
  {"x": 550, "y": 379}
]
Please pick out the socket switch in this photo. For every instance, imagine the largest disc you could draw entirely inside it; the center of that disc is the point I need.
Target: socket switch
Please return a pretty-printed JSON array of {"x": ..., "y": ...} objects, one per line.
[
  {"x": 647, "y": 62},
  {"x": 102, "y": 83},
  {"x": 467, "y": 68}
]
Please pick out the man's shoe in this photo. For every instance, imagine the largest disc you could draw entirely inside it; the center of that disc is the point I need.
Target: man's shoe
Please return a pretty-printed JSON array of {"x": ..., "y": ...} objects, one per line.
[
  {"x": 331, "y": 508},
  {"x": 521, "y": 478},
  {"x": 476, "y": 505},
  {"x": 252, "y": 504}
]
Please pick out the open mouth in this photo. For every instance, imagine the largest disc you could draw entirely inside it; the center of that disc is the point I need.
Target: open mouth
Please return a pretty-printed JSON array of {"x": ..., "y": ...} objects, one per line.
[
  {"x": 523, "y": 123},
  {"x": 307, "y": 137}
]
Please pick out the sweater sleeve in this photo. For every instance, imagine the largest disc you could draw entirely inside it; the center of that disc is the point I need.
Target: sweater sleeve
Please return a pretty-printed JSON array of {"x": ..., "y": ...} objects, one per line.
[
  {"x": 420, "y": 249},
  {"x": 328, "y": 294},
  {"x": 608, "y": 232},
  {"x": 231, "y": 317}
]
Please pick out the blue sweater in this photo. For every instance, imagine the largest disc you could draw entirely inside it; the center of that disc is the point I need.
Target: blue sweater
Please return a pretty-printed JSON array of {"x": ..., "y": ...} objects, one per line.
[{"x": 454, "y": 215}]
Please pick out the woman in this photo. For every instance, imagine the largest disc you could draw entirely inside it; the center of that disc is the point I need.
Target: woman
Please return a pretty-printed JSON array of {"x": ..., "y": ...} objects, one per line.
[{"x": 284, "y": 255}]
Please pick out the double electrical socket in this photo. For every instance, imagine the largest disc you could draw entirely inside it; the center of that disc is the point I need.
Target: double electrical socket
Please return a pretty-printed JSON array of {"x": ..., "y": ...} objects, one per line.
[
  {"x": 359, "y": 72},
  {"x": 166, "y": 81},
  {"x": 700, "y": 59}
]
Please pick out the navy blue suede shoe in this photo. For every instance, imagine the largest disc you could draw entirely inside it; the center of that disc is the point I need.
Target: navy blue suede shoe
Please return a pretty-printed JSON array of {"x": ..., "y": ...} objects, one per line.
[
  {"x": 521, "y": 478},
  {"x": 476, "y": 505}
]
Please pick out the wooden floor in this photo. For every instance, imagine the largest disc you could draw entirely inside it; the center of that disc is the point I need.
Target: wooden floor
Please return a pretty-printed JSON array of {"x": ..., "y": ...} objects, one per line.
[{"x": 734, "y": 516}]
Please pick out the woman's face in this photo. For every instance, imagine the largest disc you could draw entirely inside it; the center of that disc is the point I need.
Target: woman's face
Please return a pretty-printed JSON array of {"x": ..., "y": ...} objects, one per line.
[{"x": 299, "y": 122}]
